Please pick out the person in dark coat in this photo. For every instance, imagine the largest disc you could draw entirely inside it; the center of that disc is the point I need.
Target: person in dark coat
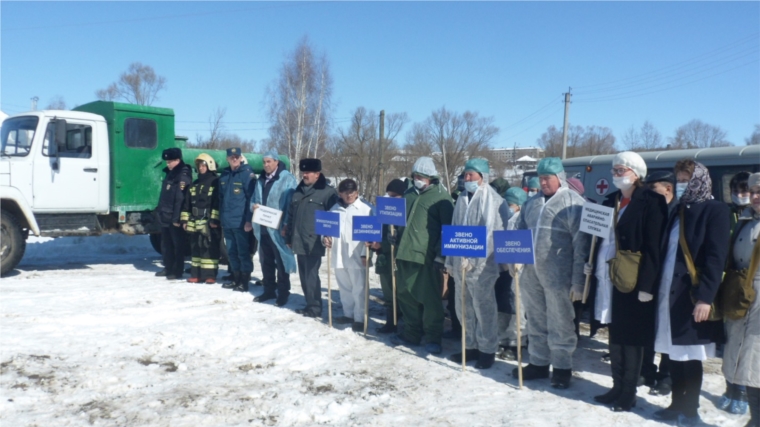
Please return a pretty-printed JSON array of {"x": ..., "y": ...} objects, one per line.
[
  {"x": 236, "y": 186},
  {"x": 658, "y": 377},
  {"x": 173, "y": 192},
  {"x": 641, "y": 218},
  {"x": 200, "y": 219},
  {"x": 312, "y": 194},
  {"x": 684, "y": 330}
]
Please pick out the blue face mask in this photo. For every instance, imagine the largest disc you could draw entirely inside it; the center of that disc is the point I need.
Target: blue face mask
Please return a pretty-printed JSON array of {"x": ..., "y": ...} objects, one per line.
[
  {"x": 681, "y": 188},
  {"x": 471, "y": 186}
]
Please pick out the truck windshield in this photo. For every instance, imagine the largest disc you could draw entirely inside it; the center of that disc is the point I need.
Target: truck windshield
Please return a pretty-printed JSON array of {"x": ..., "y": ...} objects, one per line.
[{"x": 17, "y": 135}]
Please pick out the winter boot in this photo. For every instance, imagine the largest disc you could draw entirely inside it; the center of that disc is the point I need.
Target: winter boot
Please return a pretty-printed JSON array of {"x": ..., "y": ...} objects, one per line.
[
  {"x": 616, "y": 364},
  {"x": 663, "y": 388},
  {"x": 561, "y": 378},
  {"x": 232, "y": 281},
  {"x": 193, "y": 280},
  {"x": 739, "y": 403},
  {"x": 242, "y": 283},
  {"x": 357, "y": 326},
  {"x": 471, "y": 355},
  {"x": 389, "y": 326},
  {"x": 485, "y": 360},
  {"x": 533, "y": 372},
  {"x": 210, "y": 281},
  {"x": 632, "y": 358},
  {"x": 228, "y": 277},
  {"x": 161, "y": 273}
]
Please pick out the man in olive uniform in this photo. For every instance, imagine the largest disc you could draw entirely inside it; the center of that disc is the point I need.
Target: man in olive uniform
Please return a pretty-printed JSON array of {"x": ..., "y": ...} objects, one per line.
[
  {"x": 173, "y": 192},
  {"x": 419, "y": 261},
  {"x": 312, "y": 194},
  {"x": 235, "y": 189}
]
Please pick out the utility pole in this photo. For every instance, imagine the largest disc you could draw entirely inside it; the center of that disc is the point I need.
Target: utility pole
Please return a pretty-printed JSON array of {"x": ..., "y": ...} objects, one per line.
[
  {"x": 564, "y": 130},
  {"x": 34, "y": 103},
  {"x": 382, "y": 154}
]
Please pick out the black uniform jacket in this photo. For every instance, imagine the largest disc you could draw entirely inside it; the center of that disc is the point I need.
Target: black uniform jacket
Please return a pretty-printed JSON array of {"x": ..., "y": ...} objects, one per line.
[
  {"x": 173, "y": 191},
  {"x": 301, "y": 233}
]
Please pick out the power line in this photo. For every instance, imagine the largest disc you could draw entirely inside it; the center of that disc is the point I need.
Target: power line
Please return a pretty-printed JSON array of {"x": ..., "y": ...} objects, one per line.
[
  {"x": 533, "y": 113},
  {"x": 542, "y": 120},
  {"x": 751, "y": 37}
]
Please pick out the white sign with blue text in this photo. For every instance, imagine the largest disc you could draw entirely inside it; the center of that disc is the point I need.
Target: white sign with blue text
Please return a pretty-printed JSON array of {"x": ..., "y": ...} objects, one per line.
[
  {"x": 327, "y": 223},
  {"x": 392, "y": 211},
  {"x": 464, "y": 240},
  {"x": 366, "y": 229},
  {"x": 513, "y": 247}
]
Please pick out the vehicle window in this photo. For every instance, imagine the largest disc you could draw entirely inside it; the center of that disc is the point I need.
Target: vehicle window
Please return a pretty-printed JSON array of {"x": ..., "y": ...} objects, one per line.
[
  {"x": 78, "y": 143},
  {"x": 17, "y": 135},
  {"x": 140, "y": 133}
]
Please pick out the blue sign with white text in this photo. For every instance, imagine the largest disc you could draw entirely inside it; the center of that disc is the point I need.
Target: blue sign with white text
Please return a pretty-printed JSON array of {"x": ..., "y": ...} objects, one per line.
[
  {"x": 327, "y": 223},
  {"x": 513, "y": 247},
  {"x": 392, "y": 211},
  {"x": 366, "y": 229},
  {"x": 464, "y": 240}
]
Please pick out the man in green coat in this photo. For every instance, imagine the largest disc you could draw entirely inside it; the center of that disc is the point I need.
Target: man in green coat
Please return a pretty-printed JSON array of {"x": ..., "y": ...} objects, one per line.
[{"x": 419, "y": 261}]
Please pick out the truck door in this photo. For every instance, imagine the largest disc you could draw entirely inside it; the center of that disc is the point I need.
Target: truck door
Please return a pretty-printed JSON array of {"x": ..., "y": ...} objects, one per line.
[{"x": 69, "y": 180}]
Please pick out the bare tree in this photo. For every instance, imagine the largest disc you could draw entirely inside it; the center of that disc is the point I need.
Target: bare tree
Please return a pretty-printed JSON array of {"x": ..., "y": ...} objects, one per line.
[
  {"x": 755, "y": 138},
  {"x": 452, "y": 138},
  {"x": 219, "y": 139},
  {"x": 355, "y": 151},
  {"x": 588, "y": 141},
  {"x": 698, "y": 134},
  {"x": 56, "y": 103},
  {"x": 299, "y": 103},
  {"x": 138, "y": 85},
  {"x": 648, "y": 138}
]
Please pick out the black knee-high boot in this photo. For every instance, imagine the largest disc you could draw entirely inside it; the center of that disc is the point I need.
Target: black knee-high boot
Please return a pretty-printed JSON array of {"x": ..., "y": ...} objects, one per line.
[
  {"x": 679, "y": 385},
  {"x": 632, "y": 359},
  {"x": 693, "y": 377},
  {"x": 616, "y": 365}
]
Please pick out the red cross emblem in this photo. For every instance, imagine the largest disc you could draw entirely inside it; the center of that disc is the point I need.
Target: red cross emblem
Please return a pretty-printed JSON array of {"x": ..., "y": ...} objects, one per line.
[{"x": 601, "y": 187}]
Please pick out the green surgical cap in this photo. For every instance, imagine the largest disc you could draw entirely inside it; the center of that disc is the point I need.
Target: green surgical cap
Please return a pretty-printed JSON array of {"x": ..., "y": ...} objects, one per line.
[
  {"x": 533, "y": 183},
  {"x": 478, "y": 165},
  {"x": 516, "y": 196},
  {"x": 550, "y": 166}
]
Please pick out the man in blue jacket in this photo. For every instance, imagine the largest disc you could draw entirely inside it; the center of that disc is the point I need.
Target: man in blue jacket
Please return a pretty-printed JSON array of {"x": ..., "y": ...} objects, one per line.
[
  {"x": 274, "y": 189},
  {"x": 235, "y": 189}
]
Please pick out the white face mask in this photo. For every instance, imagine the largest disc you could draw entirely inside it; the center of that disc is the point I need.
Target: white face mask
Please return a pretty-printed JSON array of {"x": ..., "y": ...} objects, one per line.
[
  {"x": 419, "y": 184},
  {"x": 739, "y": 201},
  {"x": 681, "y": 188},
  {"x": 532, "y": 193},
  {"x": 622, "y": 182},
  {"x": 471, "y": 186}
]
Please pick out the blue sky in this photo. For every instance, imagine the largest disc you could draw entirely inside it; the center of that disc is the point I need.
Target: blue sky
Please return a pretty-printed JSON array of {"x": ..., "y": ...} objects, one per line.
[{"x": 627, "y": 62}]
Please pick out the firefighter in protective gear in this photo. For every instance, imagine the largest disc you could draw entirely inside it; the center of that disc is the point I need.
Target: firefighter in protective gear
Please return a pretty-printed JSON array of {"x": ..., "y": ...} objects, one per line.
[{"x": 200, "y": 218}]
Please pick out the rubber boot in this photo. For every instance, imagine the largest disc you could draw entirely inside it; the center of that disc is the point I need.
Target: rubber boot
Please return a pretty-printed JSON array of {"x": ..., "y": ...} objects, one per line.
[
  {"x": 632, "y": 359},
  {"x": 616, "y": 365}
]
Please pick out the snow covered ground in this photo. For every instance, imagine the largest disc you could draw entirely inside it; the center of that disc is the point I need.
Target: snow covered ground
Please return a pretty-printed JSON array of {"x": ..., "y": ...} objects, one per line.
[{"x": 90, "y": 337}]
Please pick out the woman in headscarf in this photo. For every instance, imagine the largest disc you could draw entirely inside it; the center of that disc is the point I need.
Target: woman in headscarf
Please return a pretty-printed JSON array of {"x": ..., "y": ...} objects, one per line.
[
  {"x": 698, "y": 236},
  {"x": 639, "y": 226},
  {"x": 741, "y": 357}
]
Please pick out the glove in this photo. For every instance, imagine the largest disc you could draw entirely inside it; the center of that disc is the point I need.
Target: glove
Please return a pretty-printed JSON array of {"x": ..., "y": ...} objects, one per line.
[
  {"x": 466, "y": 264},
  {"x": 588, "y": 269},
  {"x": 439, "y": 266},
  {"x": 645, "y": 296},
  {"x": 576, "y": 293}
]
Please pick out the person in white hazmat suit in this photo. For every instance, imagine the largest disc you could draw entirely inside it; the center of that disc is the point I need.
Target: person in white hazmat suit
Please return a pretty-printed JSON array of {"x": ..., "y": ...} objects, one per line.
[
  {"x": 348, "y": 255},
  {"x": 550, "y": 286},
  {"x": 478, "y": 205},
  {"x": 515, "y": 198}
]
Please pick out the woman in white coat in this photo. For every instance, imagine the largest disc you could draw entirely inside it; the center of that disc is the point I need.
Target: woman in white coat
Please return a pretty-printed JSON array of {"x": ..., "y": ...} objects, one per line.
[{"x": 348, "y": 255}]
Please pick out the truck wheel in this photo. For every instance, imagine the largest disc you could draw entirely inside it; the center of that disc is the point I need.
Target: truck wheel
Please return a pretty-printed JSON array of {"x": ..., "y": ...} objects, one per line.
[
  {"x": 155, "y": 241},
  {"x": 12, "y": 242}
]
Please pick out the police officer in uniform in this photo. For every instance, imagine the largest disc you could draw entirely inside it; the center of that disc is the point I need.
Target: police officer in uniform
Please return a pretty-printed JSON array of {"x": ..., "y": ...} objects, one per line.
[
  {"x": 173, "y": 191},
  {"x": 200, "y": 218}
]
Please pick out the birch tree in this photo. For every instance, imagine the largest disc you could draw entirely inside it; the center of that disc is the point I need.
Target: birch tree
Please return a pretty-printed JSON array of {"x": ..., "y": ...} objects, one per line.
[{"x": 299, "y": 104}]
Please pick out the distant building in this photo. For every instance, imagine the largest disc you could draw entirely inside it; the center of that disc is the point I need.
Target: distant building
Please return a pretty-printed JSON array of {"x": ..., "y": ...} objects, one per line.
[{"x": 511, "y": 155}]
